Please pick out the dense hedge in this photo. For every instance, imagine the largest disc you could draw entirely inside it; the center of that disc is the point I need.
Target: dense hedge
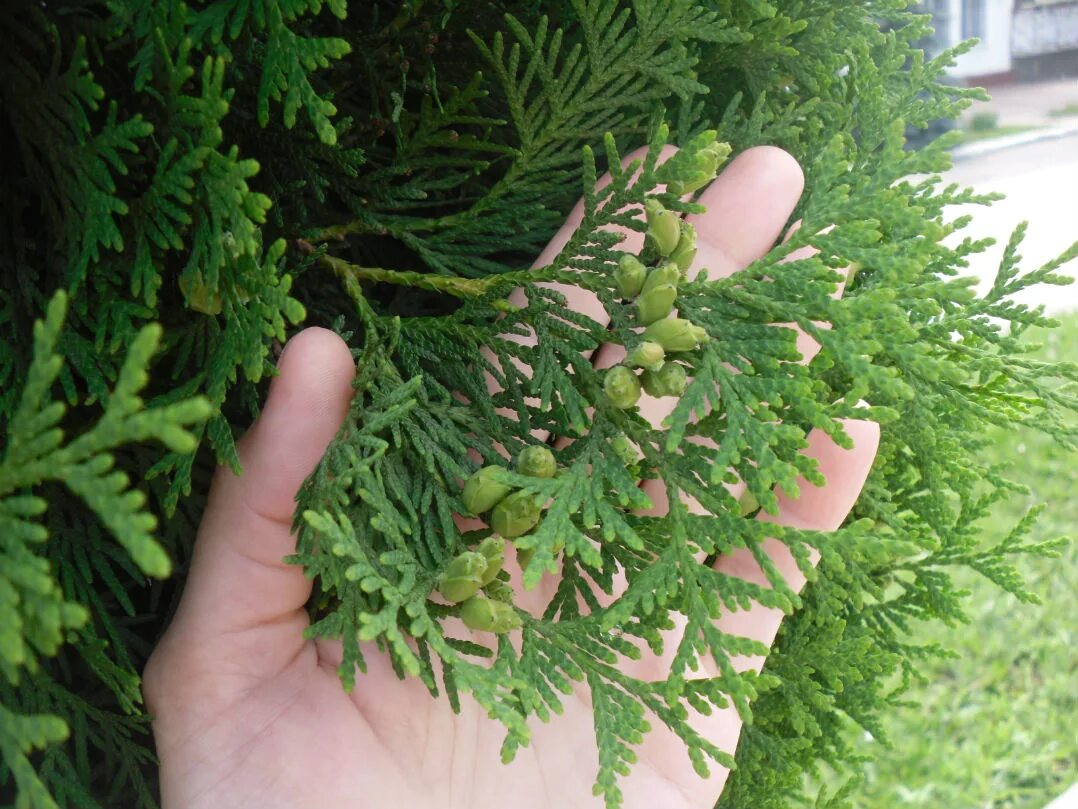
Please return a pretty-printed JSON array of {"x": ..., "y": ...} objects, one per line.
[{"x": 186, "y": 185}]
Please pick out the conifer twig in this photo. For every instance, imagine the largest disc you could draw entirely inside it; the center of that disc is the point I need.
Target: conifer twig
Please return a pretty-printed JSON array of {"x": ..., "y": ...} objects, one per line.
[{"x": 453, "y": 285}]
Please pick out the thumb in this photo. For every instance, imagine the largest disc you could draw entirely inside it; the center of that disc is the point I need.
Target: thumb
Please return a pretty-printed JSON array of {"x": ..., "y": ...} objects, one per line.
[{"x": 238, "y": 579}]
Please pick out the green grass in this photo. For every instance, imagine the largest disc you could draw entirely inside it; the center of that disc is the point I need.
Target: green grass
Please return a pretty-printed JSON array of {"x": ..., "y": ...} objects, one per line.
[
  {"x": 998, "y": 725},
  {"x": 972, "y": 135},
  {"x": 1065, "y": 110}
]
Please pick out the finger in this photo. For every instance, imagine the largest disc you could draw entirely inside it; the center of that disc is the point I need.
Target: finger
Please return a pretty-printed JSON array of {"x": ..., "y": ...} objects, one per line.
[
  {"x": 807, "y": 346},
  {"x": 581, "y": 301},
  {"x": 238, "y": 577},
  {"x": 748, "y": 205},
  {"x": 819, "y": 508},
  {"x": 743, "y": 229}
]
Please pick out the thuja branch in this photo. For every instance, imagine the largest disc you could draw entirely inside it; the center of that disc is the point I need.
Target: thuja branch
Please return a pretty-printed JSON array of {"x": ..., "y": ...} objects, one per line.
[
  {"x": 388, "y": 226},
  {"x": 453, "y": 285},
  {"x": 449, "y": 284}
]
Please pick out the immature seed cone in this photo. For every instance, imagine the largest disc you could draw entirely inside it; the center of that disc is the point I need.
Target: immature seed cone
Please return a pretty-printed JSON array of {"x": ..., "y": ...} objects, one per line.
[
  {"x": 516, "y": 515},
  {"x": 655, "y": 304},
  {"x": 537, "y": 462},
  {"x": 685, "y": 252},
  {"x": 668, "y": 273},
  {"x": 463, "y": 577},
  {"x": 676, "y": 334},
  {"x": 499, "y": 591},
  {"x": 663, "y": 229},
  {"x": 629, "y": 276},
  {"x": 482, "y": 492},
  {"x": 504, "y": 305},
  {"x": 647, "y": 355},
  {"x": 199, "y": 297},
  {"x": 622, "y": 387},
  {"x": 625, "y": 449},
  {"x": 670, "y": 380},
  {"x": 747, "y": 503},
  {"x": 492, "y": 549},
  {"x": 524, "y": 557},
  {"x": 486, "y": 615},
  {"x": 707, "y": 164}
]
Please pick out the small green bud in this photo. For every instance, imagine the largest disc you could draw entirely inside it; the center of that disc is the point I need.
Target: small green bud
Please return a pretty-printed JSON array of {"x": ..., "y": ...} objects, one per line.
[
  {"x": 629, "y": 276},
  {"x": 720, "y": 150},
  {"x": 524, "y": 557},
  {"x": 486, "y": 615},
  {"x": 655, "y": 304},
  {"x": 537, "y": 462},
  {"x": 482, "y": 492},
  {"x": 676, "y": 334},
  {"x": 504, "y": 305},
  {"x": 516, "y": 515},
  {"x": 707, "y": 162},
  {"x": 668, "y": 273},
  {"x": 670, "y": 380},
  {"x": 747, "y": 503},
  {"x": 493, "y": 550},
  {"x": 463, "y": 577},
  {"x": 200, "y": 297},
  {"x": 663, "y": 229},
  {"x": 622, "y": 387},
  {"x": 499, "y": 591},
  {"x": 685, "y": 252},
  {"x": 626, "y": 451},
  {"x": 647, "y": 355}
]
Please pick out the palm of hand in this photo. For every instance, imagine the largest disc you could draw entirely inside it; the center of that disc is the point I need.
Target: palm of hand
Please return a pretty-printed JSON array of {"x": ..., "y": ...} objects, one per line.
[{"x": 250, "y": 714}]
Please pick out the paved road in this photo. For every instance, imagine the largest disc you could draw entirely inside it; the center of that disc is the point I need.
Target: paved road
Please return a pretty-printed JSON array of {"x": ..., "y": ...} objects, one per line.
[{"x": 1041, "y": 184}]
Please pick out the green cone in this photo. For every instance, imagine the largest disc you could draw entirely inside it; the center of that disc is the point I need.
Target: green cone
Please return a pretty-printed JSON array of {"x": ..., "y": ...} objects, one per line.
[
  {"x": 493, "y": 550},
  {"x": 516, "y": 515},
  {"x": 747, "y": 503},
  {"x": 647, "y": 355},
  {"x": 668, "y": 273},
  {"x": 626, "y": 451},
  {"x": 499, "y": 591},
  {"x": 676, "y": 334},
  {"x": 656, "y": 303},
  {"x": 629, "y": 276},
  {"x": 537, "y": 462},
  {"x": 485, "y": 615},
  {"x": 622, "y": 387},
  {"x": 685, "y": 252},
  {"x": 707, "y": 165},
  {"x": 663, "y": 229},
  {"x": 670, "y": 380},
  {"x": 463, "y": 577},
  {"x": 481, "y": 492},
  {"x": 200, "y": 297},
  {"x": 524, "y": 557}
]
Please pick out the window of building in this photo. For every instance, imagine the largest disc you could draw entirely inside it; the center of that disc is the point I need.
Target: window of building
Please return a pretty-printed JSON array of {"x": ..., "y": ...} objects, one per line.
[{"x": 973, "y": 19}]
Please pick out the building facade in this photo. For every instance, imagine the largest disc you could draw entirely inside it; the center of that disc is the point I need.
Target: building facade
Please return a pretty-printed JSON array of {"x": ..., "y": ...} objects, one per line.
[
  {"x": 1044, "y": 39},
  {"x": 1018, "y": 39}
]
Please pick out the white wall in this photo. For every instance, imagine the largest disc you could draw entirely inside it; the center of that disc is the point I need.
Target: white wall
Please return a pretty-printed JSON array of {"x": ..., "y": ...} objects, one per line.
[
  {"x": 1049, "y": 28},
  {"x": 993, "y": 53}
]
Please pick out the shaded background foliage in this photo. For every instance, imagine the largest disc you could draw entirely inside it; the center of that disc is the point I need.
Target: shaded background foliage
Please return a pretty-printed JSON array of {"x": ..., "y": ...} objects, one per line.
[{"x": 172, "y": 163}]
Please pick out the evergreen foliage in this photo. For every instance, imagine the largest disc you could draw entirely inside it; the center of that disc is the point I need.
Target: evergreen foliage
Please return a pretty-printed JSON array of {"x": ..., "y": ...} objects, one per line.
[{"x": 188, "y": 183}]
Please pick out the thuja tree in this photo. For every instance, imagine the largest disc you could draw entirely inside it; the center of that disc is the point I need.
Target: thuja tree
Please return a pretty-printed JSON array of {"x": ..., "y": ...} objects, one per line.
[{"x": 187, "y": 184}]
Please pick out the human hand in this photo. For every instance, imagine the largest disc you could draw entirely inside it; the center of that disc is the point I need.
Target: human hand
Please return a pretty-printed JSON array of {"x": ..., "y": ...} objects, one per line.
[{"x": 250, "y": 714}]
